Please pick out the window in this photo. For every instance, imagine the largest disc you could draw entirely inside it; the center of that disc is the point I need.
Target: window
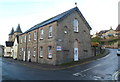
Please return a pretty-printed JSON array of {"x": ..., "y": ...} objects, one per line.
[
  {"x": 28, "y": 54},
  {"x": 34, "y": 52},
  {"x": 41, "y": 51},
  {"x": 28, "y": 51},
  {"x": 75, "y": 25},
  {"x": 41, "y": 34},
  {"x": 35, "y": 36},
  {"x": 20, "y": 39},
  {"x": 29, "y": 37},
  {"x": 25, "y": 38},
  {"x": 50, "y": 31},
  {"x": 49, "y": 51}
]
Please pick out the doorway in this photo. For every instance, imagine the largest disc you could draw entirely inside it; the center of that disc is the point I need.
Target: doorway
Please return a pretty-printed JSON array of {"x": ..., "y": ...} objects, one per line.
[{"x": 76, "y": 50}]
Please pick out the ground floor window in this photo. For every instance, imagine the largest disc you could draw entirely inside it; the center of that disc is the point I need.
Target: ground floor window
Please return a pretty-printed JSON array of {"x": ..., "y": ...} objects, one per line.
[
  {"x": 49, "y": 51},
  {"x": 34, "y": 52},
  {"x": 28, "y": 54},
  {"x": 41, "y": 51}
]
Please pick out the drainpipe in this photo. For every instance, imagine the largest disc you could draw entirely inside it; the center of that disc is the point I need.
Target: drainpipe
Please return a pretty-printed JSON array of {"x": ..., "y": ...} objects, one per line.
[{"x": 37, "y": 47}]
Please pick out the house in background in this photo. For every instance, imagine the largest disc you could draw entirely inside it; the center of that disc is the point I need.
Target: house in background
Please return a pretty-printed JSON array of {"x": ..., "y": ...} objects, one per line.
[
  {"x": 118, "y": 33},
  {"x": 110, "y": 33},
  {"x": 60, "y": 39},
  {"x": 12, "y": 43},
  {"x": 15, "y": 48},
  {"x": 1, "y": 50},
  {"x": 8, "y": 49}
]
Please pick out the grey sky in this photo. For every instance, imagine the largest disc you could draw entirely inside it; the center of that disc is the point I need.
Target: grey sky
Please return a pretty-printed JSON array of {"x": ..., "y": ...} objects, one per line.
[{"x": 100, "y": 14}]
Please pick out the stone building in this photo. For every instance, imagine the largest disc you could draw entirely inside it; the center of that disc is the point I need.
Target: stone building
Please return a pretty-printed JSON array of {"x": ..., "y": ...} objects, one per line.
[
  {"x": 11, "y": 48},
  {"x": 60, "y": 39}
]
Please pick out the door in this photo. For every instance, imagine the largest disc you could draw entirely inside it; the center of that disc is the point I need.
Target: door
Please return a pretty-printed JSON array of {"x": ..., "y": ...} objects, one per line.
[
  {"x": 24, "y": 56},
  {"x": 75, "y": 54},
  {"x": 76, "y": 50}
]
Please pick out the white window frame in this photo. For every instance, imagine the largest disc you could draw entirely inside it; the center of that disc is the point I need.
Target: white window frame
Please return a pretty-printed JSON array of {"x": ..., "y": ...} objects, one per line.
[
  {"x": 41, "y": 51},
  {"x": 25, "y": 39},
  {"x": 75, "y": 24},
  {"x": 29, "y": 37},
  {"x": 49, "y": 51},
  {"x": 50, "y": 31},
  {"x": 35, "y": 35},
  {"x": 34, "y": 52},
  {"x": 41, "y": 33}
]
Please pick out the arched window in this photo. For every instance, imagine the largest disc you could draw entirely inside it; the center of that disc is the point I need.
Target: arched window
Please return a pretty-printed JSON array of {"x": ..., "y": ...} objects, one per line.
[
  {"x": 41, "y": 34},
  {"x": 29, "y": 37},
  {"x": 35, "y": 35},
  {"x": 50, "y": 31},
  {"x": 75, "y": 25}
]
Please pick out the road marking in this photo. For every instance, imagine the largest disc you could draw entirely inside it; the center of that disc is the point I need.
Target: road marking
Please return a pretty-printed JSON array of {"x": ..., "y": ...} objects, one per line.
[
  {"x": 115, "y": 75},
  {"x": 97, "y": 78},
  {"x": 79, "y": 73}
]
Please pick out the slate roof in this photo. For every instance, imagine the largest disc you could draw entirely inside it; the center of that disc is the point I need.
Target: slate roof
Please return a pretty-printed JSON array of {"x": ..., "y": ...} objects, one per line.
[
  {"x": 12, "y": 32},
  {"x": 57, "y": 18},
  {"x": 118, "y": 28},
  {"x": 18, "y": 29}
]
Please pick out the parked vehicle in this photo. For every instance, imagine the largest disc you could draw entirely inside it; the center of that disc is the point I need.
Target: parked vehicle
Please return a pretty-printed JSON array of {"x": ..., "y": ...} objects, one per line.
[{"x": 118, "y": 52}]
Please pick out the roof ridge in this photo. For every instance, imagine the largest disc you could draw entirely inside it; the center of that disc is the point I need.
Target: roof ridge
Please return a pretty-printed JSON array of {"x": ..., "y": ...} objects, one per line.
[
  {"x": 57, "y": 18},
  {"x": 61, "y": 15}
]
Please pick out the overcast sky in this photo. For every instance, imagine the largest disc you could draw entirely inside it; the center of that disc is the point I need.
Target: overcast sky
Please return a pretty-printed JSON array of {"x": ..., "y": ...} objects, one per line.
[{"x": 100, "y": 14}]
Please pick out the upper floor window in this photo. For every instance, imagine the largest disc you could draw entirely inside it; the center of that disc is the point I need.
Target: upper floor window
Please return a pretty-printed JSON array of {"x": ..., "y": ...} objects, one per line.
[
  {"x": 25, "y": 38},
  {"x": 50, "y": 31},
  {"x": 75, "y": 24},
  {"x": 41, "y": 51},
  {"x": 41, "y": 34},
  {"x": 35, "y": 35},
  {"x": 49, "y": 51},
  {"x": 29, "y": 37},
  {"x": 20, "y": 39}
]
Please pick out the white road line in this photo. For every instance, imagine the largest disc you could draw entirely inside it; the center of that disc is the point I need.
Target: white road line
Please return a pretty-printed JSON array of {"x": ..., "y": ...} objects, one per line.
[
  {"x": 115, "y": 75},
  {"x": 79, "y": 73}
]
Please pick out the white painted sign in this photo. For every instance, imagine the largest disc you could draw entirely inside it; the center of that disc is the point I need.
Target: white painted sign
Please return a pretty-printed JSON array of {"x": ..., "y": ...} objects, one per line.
[{"x": 59, "y": 48}]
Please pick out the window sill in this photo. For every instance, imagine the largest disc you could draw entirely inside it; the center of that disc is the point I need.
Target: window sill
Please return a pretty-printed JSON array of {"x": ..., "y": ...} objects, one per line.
[
  {"x": 40, "y": 56},
  {"x": 41, "y": 38},
  {"x": 34, "y": 56},
  {"x": 76, "y": 32},
  {"x": 49, "y": 37},
  {"x": 49, "y": 57}
]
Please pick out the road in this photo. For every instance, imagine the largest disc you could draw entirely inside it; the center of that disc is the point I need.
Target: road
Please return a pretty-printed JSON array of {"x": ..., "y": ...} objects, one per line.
[{"x": 105, "y": 68}]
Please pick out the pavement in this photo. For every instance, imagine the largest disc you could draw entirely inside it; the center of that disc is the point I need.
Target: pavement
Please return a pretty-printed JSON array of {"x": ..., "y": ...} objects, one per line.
[{"x": 56, "y": 67}]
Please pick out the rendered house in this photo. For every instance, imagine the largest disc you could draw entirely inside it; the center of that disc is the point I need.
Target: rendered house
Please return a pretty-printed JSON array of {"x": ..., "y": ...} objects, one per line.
[
  {"x": 15, "y": 48},
  {"x": 60, "y": 39},
  {"x": 11, "y": 49}
]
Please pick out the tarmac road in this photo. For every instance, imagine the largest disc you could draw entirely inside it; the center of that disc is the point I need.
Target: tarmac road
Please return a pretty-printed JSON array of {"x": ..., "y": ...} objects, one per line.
[{"x": 101, "y": 69}]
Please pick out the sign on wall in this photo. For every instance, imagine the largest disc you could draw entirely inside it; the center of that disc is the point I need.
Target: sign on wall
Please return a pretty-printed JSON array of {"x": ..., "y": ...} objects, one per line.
[{"x": 59, "y": 48}]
